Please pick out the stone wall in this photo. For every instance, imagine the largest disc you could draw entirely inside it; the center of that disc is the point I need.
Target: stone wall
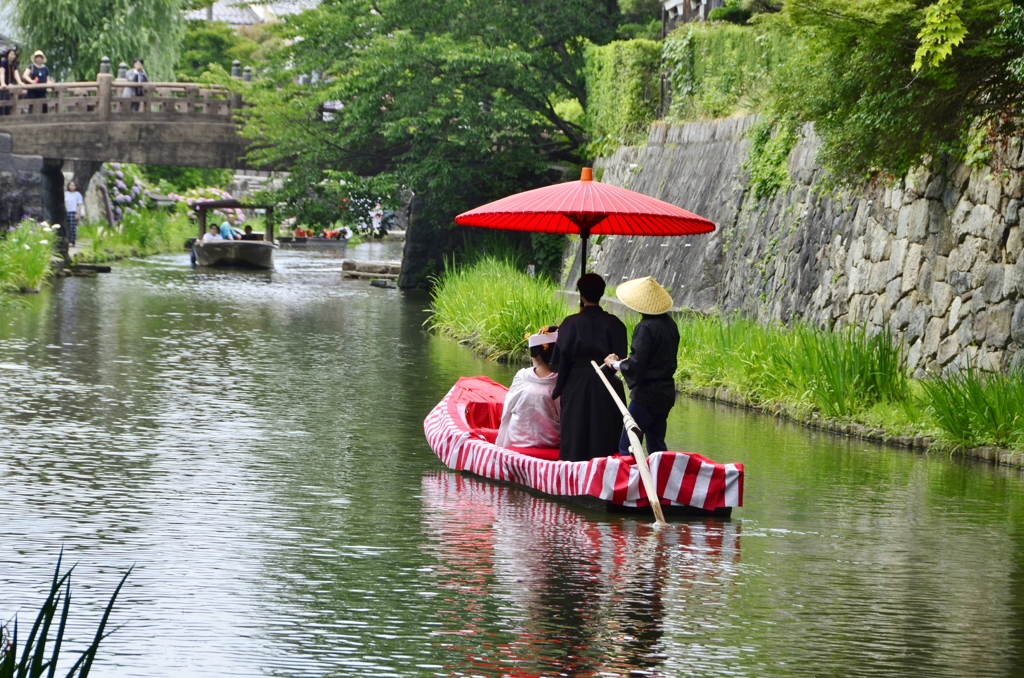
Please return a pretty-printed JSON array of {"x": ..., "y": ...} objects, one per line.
[
  {"x": 936, "y": 256},
  {"x": 29, "y": 185}
]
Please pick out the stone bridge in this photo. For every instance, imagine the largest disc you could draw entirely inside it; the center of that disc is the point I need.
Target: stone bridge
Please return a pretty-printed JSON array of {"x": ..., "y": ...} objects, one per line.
[
  {"x": 171, "y": 123},
  {"x": 76, "y": 126}
]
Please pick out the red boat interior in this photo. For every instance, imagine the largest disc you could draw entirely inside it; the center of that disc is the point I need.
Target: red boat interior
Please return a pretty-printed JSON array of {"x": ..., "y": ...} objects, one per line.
[{"x": 479, "y": 402}]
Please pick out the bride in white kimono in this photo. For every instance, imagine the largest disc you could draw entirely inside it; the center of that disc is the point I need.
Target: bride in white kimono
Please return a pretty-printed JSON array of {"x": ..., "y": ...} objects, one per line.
[{"x": 531, "y": 417}]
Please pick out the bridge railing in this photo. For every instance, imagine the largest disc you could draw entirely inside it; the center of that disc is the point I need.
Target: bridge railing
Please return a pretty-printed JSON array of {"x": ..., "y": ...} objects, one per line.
[{"x": 115, "y": 99}]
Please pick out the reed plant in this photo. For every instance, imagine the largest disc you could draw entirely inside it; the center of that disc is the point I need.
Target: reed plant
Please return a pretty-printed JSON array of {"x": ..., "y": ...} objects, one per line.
[
  {"x": 138, "y": 235},
  {"x": 25, "y": 254},
  {"x": 34, "y": 662},
  {"x": 491, "y": 304},
  {"x": 973, "y": 409},
  {"x": 838, "y": 373}
]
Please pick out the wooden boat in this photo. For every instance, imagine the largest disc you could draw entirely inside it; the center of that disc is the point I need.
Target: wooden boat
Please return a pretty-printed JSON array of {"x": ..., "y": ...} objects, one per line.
[
  {"x": 234, "y": 253},
  {"x": 314, "y": 244},
  {"x": 462, "y": 428}
]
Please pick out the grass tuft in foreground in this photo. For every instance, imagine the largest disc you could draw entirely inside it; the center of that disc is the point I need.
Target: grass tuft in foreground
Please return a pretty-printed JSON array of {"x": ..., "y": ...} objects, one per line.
[
  {"x": 25, "y": 254},
  {"x": 491, "y": 304},
  {"x": 34, "y": 662},
  {"x": 139, "y": 235}
]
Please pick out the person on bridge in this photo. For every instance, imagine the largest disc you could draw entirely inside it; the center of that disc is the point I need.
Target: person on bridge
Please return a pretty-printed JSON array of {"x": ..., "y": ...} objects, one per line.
[
  {"x": 137, "y": 74},
  {"x": 9, "y": 75},
  {"x": 591, "y": 422},
  {"x": 37, "y": 74},
  {"x": 651, "y": 366},
  {"x": 226, "y": 232}
]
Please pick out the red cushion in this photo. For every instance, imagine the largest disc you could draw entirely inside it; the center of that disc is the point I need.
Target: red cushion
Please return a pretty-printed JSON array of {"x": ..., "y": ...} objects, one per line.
[{"x": 548, "y": 453}]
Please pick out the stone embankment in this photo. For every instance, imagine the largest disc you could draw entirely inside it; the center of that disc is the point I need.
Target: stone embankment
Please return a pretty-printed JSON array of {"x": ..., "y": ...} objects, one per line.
[
  {"x": 29, "y": 186},
  {"x": 936, "y": 256}
]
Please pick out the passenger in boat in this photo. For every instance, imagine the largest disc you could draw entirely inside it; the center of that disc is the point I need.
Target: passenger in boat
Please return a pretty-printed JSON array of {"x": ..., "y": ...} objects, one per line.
[
  {"x": 249, "y": 235},
  {"x": 213, "y": 235},
  {"x": 591, "y": 422},
  {"x": 530, "y": 416},
  {"x": 226, "y": 231},
  {"x": 651, "y": 366}
]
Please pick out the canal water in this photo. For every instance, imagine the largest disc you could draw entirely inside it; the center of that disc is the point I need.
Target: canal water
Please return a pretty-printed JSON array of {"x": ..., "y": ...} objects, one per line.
[{"x": 252, "y": 443}]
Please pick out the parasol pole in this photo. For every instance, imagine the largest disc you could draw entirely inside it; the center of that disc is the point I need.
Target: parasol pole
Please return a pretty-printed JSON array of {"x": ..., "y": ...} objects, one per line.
[
  {"x": 584, "y": 237},
  {"x": 632, "y": 430}
]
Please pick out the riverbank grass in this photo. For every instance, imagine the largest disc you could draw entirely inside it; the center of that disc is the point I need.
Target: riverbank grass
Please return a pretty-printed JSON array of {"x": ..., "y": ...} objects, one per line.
[
  {"x": 25, "y": 255},
  {"x": 846, "y": 376},
  {"x": 974, "y": 409},
  {"x": 491, "y": 304},
  {"x": 139, "y": 235},
  {"x": 839, "y": 374}
]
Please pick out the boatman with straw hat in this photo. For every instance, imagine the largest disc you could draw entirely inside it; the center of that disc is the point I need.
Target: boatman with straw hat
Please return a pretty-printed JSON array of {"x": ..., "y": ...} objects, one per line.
[{"x": 651, "y": 366}]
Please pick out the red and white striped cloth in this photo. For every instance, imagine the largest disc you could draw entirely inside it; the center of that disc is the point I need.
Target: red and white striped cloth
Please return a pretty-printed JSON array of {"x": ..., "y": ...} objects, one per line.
[{"x": 682, "y": 479}]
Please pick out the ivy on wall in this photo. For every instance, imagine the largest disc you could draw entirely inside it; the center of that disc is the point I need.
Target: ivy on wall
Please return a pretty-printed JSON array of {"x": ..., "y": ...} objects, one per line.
[
  {"x": 622, "y": 92},
  {"x": 717, "y": 70},
  {"x": 771, "y": 141}
]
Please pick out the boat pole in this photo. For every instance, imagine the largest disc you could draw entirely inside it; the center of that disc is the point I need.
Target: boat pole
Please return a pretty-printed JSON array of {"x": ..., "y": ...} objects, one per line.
[{"x": 633, "y": 431}]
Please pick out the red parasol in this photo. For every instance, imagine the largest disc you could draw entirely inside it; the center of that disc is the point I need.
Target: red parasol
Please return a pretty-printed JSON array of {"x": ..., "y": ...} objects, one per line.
[{"x": 588, "y": 208}]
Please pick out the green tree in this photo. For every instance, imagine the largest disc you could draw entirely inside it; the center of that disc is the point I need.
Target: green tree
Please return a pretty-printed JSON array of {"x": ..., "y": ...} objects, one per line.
[
  {"x": 454, "y": 100},
  {"x": 75, "y": 34},
  {"x": 216, "y": 42},
  {"x": 853, "y": 74}
]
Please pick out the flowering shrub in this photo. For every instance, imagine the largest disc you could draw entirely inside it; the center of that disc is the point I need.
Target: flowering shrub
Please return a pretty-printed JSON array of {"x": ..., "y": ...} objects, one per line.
[
  {"x": 126, "y": 187},
  {"x": 231, "y": 215},
  {"x": 25, "y": 255}
]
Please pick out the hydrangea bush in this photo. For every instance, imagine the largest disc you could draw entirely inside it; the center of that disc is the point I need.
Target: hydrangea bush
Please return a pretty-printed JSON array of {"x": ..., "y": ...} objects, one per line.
[{"x": 127, "y": 189}]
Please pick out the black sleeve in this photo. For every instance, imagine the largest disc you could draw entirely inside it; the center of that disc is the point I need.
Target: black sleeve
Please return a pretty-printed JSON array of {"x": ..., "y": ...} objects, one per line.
[
  {"x": 563, "y": 356},
  {"x": 619, "y": 345},
  {"x": 633, "y": 368}
]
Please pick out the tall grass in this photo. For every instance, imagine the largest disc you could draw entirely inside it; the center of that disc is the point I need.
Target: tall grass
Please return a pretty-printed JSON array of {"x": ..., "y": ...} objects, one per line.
[
  {"x": 34, "y": 663},
  {"x": 846, "y": 374},
  {"x": 973, "y": 409},
  {"x": 25, "y": 254},
  {"x": 837, "y": 373},
  {"x": 139, "y": 235},
  {"x": 491, "y": 304}
]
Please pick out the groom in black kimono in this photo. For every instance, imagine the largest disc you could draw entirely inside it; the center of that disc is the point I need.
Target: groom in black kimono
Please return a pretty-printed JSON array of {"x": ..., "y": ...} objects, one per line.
[{"x": 591, "y": 422}]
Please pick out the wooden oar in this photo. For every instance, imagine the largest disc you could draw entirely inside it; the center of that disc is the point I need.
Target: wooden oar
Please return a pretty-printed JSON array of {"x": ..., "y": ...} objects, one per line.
[{"x": 633, "y": 431}]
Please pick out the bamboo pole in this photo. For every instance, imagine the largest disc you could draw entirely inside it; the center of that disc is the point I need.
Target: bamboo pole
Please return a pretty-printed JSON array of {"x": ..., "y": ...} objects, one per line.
[{"x": 636, "y": 448}]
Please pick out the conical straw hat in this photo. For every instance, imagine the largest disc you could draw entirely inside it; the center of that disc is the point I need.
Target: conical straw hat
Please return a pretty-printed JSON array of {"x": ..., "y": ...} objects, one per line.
[{"x": 644, "y": 295}]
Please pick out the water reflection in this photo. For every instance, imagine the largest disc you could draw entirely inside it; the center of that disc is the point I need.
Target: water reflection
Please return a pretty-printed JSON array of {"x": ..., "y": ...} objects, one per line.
[{"x": 577, "y": 596}]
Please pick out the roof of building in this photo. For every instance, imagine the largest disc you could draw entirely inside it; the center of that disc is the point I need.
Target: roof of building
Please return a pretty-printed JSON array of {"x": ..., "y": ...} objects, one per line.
[
  {"x": 247, "y": 12},
  {"x": 234, "y": 12},
  {"x": 294, "y": 7}
]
